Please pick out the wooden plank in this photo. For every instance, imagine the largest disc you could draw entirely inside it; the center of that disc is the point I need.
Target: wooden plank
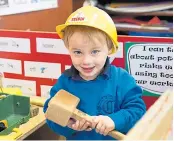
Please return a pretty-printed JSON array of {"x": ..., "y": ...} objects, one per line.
[{"x": 157, "y": 122}]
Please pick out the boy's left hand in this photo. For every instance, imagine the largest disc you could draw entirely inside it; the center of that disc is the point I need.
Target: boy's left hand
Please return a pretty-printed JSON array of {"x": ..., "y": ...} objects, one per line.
[{"x": 103, "y": 124}]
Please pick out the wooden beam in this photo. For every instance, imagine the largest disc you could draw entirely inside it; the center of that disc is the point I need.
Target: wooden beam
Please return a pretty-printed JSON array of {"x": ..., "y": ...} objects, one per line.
[{"x": 157, "y": 122}]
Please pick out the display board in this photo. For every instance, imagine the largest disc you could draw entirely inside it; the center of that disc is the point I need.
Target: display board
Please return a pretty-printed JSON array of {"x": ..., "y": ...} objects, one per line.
[
  {"x": 32, "y": 61},
  {"x": 151, "y": 64}
]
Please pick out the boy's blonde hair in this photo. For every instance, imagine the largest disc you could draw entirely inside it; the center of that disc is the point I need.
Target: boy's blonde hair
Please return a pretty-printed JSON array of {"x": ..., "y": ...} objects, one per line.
[{"x": 88, "y": 31}]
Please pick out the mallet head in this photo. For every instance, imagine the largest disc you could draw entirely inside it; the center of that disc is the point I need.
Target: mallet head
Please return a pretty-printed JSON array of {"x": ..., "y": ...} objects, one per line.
[{"x": 61, "y": 107}]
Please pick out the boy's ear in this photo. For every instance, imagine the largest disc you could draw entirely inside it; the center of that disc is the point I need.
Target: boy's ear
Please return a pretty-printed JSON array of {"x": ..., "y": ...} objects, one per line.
[{"x": 110, "y": 51}]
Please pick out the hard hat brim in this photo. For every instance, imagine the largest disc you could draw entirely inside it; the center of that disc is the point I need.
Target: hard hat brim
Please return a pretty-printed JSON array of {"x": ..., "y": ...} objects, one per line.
[{"x": 59, "y": 30}]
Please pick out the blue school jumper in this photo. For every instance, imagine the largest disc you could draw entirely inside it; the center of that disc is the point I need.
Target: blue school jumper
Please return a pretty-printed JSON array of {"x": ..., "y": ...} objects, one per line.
[{"x": 113, "y": 93}]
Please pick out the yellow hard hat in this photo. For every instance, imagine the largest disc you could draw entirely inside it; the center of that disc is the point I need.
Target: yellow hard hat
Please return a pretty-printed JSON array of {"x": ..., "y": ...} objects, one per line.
[{"x": 92, "y": 17}]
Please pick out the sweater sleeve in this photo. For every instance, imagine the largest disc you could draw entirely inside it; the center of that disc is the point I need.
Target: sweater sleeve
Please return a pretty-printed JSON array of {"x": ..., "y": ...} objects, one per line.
[
  {"x": 132, "y": 106},
  {"x": 65, "y": 131}
]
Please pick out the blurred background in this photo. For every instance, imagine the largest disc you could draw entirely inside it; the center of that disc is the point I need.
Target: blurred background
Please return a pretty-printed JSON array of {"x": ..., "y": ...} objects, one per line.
[{"x": 131, "y": 17}]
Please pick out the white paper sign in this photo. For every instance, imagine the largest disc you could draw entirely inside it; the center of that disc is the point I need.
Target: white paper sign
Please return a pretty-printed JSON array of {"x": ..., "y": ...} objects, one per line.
[
  {"x": 152, "y": 66},
  {"x": 18, "y": 45},
  {"x": 27, "y": 87},
  {"x": 42, "y": 69},
  {"x": 10, "y": 66},
  {"x": 45, "y": 91},
  {"x": 47, "y": 45}
]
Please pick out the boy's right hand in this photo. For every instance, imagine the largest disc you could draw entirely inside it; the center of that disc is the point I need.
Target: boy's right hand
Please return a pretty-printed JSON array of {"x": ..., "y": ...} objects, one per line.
[{"x": 79, "y": 125}]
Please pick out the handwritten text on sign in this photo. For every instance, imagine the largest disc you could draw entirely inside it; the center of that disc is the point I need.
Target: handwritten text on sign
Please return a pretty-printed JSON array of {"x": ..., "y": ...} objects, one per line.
[{"x": 152, "y": 66}]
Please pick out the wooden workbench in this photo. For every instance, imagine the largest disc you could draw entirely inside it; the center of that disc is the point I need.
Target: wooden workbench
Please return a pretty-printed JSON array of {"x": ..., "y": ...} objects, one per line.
[
  {"x": 32, "y": 125},
  {"x": 36, "y": 125}
]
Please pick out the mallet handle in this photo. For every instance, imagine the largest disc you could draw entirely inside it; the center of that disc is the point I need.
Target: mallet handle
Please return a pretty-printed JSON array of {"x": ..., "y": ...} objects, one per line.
[
  {"x": 116, "y": 135},
  {"x": 78, "y": 115}
]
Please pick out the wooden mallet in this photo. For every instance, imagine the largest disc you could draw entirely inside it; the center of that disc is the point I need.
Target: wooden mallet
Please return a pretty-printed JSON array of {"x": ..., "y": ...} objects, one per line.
[{"x": 62, "y": 107}]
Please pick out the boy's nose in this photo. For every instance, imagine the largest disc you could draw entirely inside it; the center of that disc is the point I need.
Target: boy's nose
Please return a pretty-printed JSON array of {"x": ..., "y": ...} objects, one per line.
[{"x": 87, "y": 60}]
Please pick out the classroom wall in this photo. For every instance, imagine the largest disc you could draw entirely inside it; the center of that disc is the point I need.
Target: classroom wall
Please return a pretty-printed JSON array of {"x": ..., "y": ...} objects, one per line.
[{"x": 44, "y": 20}]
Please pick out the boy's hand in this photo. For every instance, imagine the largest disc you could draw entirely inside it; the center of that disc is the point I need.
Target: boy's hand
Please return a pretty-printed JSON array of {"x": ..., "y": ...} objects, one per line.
[
  {"x": 103, "y": 124},
  {"x": 79, "y": 125}
]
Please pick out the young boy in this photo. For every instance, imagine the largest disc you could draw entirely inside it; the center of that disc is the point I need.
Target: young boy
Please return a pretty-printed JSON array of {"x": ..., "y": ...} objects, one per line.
[{"x": 106, "y": 92}]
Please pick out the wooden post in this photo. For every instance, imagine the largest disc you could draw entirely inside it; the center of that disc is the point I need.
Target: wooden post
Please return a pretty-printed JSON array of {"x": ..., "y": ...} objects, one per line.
[{"x": 157, "y": 122}]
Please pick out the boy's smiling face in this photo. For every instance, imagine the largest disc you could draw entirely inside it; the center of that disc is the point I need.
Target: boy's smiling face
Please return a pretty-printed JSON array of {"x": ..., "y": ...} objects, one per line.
[{"x": 88, "y": 56}]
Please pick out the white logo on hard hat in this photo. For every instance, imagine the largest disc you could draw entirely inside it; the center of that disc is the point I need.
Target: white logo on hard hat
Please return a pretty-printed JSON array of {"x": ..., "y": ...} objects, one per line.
[{"x": 79, "y": 17}]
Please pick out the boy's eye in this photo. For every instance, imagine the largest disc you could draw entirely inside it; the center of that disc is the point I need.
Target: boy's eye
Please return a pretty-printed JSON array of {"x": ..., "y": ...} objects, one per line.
[
  {"x": 95, "y": 51},
  {"x": 77, "y": 52}
]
